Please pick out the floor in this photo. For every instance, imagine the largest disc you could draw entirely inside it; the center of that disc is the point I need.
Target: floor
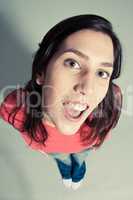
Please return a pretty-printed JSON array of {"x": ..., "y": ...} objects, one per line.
[{"x": 27, "y": 174}]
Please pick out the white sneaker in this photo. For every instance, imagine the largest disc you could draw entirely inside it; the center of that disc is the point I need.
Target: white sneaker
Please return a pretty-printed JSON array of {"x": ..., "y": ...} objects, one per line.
[
  {"x": 67, "y": 182},
  {"x": 76, "y": 185}
]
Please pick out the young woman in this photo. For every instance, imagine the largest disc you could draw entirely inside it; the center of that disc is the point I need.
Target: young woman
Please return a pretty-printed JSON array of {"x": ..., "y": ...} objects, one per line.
[{"x": 71, "y": 103}]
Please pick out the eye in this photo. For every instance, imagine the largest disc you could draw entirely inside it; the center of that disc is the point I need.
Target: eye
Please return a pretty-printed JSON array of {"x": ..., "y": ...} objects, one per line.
[
  {"x": 72, "y": 63},
  {"x": 103, "y": 74}
]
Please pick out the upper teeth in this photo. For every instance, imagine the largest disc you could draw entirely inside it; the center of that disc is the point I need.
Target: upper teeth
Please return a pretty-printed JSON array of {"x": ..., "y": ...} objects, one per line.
[{"x": 76, "y": 106}]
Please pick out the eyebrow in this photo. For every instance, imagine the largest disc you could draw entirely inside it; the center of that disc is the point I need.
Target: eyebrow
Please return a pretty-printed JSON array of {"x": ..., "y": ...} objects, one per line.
[{"x": 85, "y": 57}]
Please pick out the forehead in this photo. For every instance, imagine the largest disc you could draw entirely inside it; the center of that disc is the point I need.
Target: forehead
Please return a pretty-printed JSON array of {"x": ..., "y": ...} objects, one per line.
[
  {"x": 89, "y": 41},
  {"x": 88, "y": 36}
]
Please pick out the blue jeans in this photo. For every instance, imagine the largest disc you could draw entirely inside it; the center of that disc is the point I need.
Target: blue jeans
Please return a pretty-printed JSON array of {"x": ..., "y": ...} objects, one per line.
[{"x": 71, "y": 165}]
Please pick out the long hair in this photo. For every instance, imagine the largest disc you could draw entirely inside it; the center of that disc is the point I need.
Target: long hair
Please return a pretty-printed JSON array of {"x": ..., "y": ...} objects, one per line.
[{"x": 106, "y": 115}]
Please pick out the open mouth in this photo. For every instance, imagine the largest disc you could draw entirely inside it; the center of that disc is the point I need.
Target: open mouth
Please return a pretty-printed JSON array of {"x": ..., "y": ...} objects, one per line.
[{"x": 74, "y": 113}]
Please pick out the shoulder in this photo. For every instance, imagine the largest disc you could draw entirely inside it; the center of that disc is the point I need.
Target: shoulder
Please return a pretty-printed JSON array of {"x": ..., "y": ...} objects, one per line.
[{"x": 14, "y": 102}]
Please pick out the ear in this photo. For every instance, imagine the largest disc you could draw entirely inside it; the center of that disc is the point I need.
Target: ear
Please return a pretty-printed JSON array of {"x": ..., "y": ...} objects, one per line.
[{"x": 40, "y": 79}]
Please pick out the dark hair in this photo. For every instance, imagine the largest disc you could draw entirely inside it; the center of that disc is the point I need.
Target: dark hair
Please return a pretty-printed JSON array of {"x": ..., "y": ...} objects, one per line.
[{"x": 107, "y": 113}]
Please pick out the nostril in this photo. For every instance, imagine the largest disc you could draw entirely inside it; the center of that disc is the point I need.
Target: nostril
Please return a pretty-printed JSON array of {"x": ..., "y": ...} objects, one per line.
[
  {"x": 82, "y": 92},
  {"x": 79, "y": 88}
]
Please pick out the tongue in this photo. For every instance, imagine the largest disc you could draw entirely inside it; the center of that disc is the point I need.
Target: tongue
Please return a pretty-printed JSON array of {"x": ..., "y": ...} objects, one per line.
[{"x": 73, "y": 113}]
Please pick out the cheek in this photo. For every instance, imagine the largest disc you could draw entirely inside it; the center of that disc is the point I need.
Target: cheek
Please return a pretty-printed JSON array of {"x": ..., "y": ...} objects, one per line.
[
  {"x": 100, "y": 94},
  {"x": 62, "y": 85},
  {"x": 47, "y": 96},
  {"x": 54, "y": 93}
]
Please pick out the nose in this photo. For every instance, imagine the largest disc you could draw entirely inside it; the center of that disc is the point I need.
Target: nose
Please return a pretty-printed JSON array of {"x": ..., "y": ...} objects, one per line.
[{"x": 85, "y": 86}]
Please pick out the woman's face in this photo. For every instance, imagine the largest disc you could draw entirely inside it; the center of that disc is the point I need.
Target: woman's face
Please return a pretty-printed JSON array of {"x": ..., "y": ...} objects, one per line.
[{"x": 77, "y": 78}]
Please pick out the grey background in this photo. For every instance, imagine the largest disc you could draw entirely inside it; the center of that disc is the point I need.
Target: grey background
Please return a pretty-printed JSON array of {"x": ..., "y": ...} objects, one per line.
[{"x": 27, "y": 174}]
